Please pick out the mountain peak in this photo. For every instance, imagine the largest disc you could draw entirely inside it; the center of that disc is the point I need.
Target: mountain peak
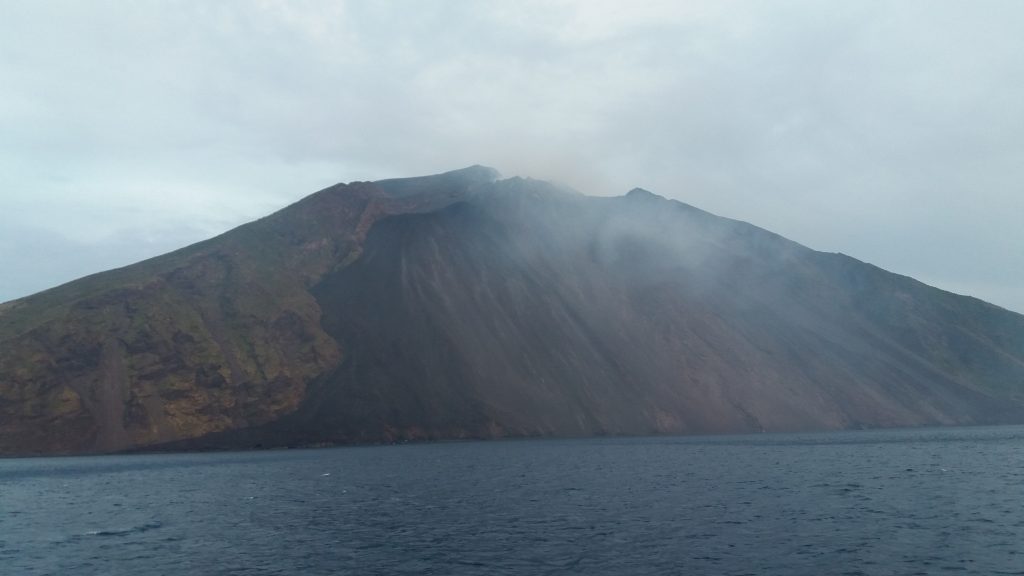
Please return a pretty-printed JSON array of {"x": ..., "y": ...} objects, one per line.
[
  {"x": 476, "y": 172},
  {"x": 458, "y": 180},
  {"x": 642, "y": 194}
]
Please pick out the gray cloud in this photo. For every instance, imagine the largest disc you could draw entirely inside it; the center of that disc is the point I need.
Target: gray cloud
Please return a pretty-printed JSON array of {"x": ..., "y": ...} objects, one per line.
[{"x": 888, "y": 131}]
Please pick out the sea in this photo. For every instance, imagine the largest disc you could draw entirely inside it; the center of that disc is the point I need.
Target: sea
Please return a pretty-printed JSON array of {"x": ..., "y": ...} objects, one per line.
[{"x": 919, "y": 501}]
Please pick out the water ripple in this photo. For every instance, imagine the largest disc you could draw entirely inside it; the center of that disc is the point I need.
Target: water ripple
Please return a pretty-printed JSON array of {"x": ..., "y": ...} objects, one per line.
[{"x": 864, "y": 503}]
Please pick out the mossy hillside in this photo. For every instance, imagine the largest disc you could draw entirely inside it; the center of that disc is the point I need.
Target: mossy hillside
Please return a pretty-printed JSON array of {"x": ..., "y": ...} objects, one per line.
[{"x": 213, "y": 336}]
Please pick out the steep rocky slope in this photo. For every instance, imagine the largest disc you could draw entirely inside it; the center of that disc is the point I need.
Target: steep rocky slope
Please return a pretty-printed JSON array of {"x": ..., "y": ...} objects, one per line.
[
  {"x": 460, "y": 305},
  {"x": 219, "y": 335}
]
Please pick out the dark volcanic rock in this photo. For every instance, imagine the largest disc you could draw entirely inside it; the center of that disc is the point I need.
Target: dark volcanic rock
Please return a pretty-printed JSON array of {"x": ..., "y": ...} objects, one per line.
[{"x": 460, "y": 305}]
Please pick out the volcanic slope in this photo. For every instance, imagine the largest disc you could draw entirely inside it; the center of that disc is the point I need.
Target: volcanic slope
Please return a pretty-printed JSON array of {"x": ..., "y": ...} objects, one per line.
[{"x": 465, "y": 306}]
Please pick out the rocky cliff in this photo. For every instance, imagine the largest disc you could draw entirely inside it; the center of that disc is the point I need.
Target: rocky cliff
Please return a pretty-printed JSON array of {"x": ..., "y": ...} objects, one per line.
[{"x": 464, "y": 306}]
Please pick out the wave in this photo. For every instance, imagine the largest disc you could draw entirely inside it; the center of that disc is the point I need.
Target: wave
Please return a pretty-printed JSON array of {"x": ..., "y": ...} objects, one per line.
[{"x": 124, "y": 531}]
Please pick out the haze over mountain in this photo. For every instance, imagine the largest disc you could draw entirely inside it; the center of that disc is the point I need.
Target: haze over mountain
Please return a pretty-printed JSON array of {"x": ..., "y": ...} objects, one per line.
[
  {"x": 891, "y": 131},
  {"x": 463, "y": 305}
]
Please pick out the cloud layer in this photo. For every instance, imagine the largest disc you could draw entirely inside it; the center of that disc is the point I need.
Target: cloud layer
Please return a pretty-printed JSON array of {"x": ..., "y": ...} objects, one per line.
[{"x": 893, "y": 132}]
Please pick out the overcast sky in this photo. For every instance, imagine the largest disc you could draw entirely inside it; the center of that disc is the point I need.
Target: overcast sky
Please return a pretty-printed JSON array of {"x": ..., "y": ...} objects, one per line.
[{"x": 890, "y": 131}]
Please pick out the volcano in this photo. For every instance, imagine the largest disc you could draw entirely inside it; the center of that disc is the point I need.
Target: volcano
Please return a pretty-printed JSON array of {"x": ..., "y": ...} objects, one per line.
[{"x": 464, "y": 305}]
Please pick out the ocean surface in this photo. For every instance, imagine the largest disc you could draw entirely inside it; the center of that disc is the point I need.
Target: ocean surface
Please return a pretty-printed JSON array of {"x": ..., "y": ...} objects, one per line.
[{"x": 925, "y": 501}]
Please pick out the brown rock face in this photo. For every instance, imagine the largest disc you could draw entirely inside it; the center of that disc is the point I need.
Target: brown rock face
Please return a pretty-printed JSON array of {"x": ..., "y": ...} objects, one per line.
[{"x": 459, "y": 305}]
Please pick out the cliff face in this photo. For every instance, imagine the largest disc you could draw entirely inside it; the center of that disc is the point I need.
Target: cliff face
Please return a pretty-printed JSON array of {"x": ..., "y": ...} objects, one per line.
[{"x": 459, "y": 305}]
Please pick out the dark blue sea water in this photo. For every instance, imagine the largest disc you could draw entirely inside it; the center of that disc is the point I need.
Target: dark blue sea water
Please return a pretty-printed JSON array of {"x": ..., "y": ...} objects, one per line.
[{"x": 878, "y": 502}]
